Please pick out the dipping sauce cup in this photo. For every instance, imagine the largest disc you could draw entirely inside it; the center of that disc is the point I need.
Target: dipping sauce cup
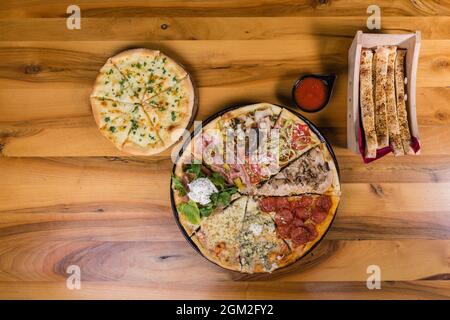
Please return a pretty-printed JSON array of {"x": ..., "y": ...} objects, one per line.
[{"x": 312, "y": 92}]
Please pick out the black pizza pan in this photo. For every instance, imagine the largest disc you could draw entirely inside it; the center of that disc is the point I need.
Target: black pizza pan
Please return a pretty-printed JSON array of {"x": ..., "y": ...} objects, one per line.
[{"x": 195, "y": 132}]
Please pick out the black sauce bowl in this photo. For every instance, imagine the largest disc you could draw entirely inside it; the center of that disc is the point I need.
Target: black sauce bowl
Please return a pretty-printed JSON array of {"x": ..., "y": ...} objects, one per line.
[{"x": 328, "y": 79}]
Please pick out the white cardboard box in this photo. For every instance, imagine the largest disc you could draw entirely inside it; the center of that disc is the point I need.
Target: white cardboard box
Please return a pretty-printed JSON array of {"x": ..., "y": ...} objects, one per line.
[{"x": 411, "y": 42}]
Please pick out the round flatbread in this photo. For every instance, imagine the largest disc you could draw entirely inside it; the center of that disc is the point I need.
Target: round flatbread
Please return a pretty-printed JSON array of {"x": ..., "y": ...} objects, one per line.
[{"x": 158, "y": 87}]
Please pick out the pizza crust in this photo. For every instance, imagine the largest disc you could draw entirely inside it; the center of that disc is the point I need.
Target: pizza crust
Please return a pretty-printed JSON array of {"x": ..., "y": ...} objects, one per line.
[
  {"x": 208, "y": 255},
  {"x": 244, "y": 111}
]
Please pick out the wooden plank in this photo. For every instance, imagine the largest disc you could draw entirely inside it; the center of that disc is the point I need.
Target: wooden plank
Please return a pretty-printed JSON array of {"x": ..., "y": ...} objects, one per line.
[
  {"x": 393, "y": 169},
  {"x": 116, "y": 8},
  {"x": 32, "y": 182},
  {"x": 129, "y": 222},
  {"x": 44, "y": 108},
  {"x": 120, "y": 200},
  {"x": 87, "y": 141},
  {"x": 212, "y": 63},
  {"x": 214, "y": 28},
  {"x": 162, "y": 261},
  {"x": 436, "y": 289}
]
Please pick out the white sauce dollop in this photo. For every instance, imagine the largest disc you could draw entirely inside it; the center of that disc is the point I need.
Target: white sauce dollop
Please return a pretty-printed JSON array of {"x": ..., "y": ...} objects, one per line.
[{"x": 200, "y": 190}]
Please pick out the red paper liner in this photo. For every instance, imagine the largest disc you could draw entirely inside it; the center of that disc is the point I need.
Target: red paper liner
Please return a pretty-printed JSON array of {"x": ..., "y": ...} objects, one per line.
[{"x": 415, "y": 146}]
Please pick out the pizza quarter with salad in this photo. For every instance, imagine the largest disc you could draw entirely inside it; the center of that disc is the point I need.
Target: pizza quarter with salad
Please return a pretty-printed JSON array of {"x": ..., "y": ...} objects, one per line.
[{"x": 255, "y": 217}]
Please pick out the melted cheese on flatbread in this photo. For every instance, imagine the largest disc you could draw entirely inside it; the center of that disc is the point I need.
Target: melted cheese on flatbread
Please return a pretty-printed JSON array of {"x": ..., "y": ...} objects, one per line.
[
  {"x": 261, "y": 250},
  {"x": 111, "y": 84},
  {"x": 218, "y": 234}
]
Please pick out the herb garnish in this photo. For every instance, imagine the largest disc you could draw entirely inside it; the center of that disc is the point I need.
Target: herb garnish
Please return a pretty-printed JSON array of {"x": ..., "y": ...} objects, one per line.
[
  {"x": 195, "y": 168},
  {"x": 134, "y": 125},
  {"x": 178, "y": 185},
  {"x": 191, "y": 211},
  {"x": 220, "y": 198}
]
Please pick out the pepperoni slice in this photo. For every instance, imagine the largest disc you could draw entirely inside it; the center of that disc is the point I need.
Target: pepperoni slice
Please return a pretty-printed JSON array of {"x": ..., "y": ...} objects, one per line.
[
  {"x": 306, "y": 201},
  {"x": 282, "y": 203},
  {"x": 302, "y": 213},
  {"x": 318, "y": 214},
  {"x": 283, "y": 217},
  {"x": 268, "y": 204},
  {"x": 300, "y": 235},
  {"x": 324, "y": 202},
  {"x": 297, "y": 222},
  {"x": 283, "y": 231},
  {"x": 311, "y": 230},
  {"x": 293, "y": 204}
]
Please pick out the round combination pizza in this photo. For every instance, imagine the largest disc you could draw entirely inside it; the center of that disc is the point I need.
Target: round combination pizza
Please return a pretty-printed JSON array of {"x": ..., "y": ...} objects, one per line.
[
  {"x": 142, "y": 101},
  {"x": 255, "y": 189}
]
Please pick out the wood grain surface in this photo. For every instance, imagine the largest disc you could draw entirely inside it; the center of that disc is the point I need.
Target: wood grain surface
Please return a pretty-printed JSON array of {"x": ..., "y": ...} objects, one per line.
[{"x": 67, "y": 197}]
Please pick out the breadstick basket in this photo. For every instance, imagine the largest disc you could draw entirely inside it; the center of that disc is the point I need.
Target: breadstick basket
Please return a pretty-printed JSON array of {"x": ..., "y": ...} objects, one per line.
[{"x": 356, "y": 134}]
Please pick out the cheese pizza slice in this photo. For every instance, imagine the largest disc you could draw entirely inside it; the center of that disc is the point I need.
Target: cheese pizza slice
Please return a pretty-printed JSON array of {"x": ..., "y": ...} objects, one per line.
[
  {"x": 136, "y": 65},
  {"x": 171, "y": 110},
  {"x": 218, "y": 235},
  {"x": 261, "y": 249},
  {"x": 112, "y": 85},
  {"x": 113, "y": 118},
  {"x": 164, "y": 73},
  {"x": 143, "y": 138}
]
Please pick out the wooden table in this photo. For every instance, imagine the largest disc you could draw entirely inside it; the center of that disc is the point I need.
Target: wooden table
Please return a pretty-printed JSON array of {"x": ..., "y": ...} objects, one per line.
[{"x": 67, "y": 197}]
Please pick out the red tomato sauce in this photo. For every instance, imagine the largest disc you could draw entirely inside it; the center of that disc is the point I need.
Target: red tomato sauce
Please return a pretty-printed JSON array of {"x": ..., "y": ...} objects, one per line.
[{"x": 311, "y": 94}]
